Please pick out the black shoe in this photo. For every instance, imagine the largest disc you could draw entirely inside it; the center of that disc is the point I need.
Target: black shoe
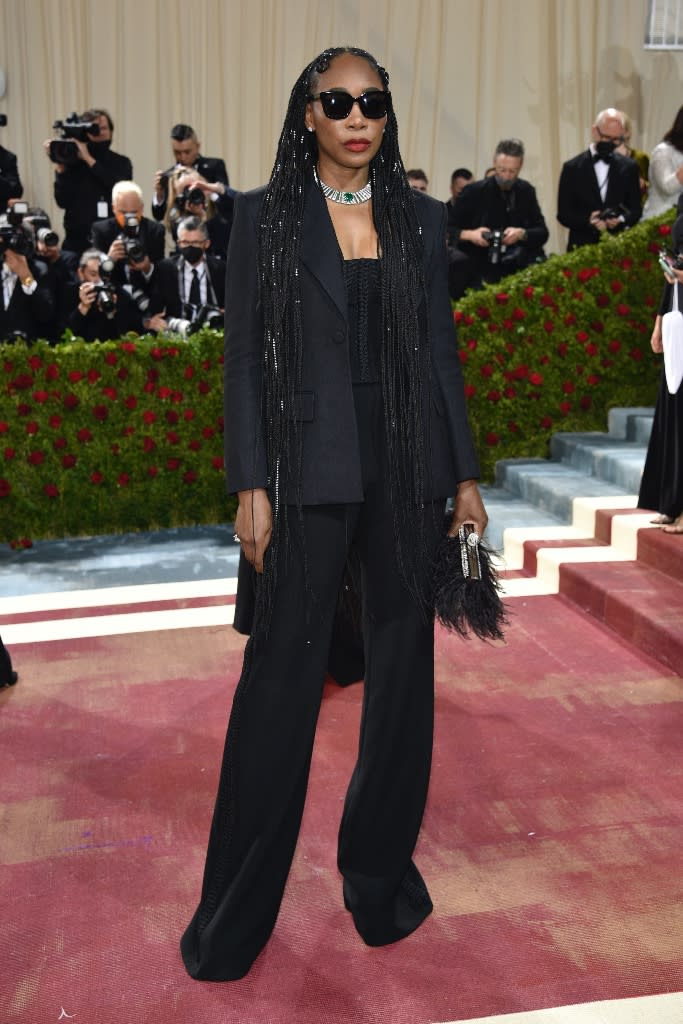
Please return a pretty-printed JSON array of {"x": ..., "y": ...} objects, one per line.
[{"x": 13, "y": 676}]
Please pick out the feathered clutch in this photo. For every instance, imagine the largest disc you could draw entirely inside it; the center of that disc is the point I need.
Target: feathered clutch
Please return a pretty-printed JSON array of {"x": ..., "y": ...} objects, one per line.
[{"x": 467, "y": 588}]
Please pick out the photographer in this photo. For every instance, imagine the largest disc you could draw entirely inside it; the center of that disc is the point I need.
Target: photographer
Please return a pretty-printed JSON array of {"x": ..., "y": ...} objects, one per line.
[
  {"x": 497, "y": 222},
  {"x": 132, "y": 241},
  {"x": 61, "y": 264},
  {"x": 599, "y": 189},
  {"x": 190, "y": 196},
  {"x": 189, "y": 288},
  {"x": 186, "y": 146},
  {"x": 103, "y": 312},
  {"x": 10, "y": 183},
  {"x": 27, "y": 293},
  {"x": 86, "y": 170}
]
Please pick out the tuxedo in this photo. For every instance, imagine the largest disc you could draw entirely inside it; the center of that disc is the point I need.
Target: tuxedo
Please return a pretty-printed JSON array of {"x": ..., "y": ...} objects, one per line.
[
  {"x": 10, "y": 183},
  {"x": 211, "y": 168},
  {"x": 31, "y": 315},
  {"x": 79, "y": 189},
  {"x": 169, "y": 292},
  {"x": 579, "y": 195}
]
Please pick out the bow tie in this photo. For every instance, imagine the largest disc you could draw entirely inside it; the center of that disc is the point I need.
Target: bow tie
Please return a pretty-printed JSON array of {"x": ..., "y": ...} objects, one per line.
[{"x": 605, "y": 159}]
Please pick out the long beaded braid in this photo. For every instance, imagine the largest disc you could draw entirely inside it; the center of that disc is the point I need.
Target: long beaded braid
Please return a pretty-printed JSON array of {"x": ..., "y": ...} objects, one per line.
[{"x": 402, "y": 368}]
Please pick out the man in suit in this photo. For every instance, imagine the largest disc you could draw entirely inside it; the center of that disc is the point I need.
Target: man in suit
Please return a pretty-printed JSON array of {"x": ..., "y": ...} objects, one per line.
[
  {"x": 10, "y": 183},
  {"x": 27, "y": 294},
  {"x": 83, "y": 187},
  {"x": 187, "y": 284},
  {"x": 99, "y": 311},
  {"x": 599, "y": 189},
  {"x": 132, "y": 241},
  {"x": 497, "y": 222},
  {"x": 186, "y": 146}
]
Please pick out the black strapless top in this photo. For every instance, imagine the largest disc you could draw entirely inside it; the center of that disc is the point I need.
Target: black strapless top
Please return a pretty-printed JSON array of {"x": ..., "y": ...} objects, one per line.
[{"x": 364, "y": 302}]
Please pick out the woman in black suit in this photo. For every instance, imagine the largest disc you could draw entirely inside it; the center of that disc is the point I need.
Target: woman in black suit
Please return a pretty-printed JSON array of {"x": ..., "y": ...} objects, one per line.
[{"x": 345, "y": 431}]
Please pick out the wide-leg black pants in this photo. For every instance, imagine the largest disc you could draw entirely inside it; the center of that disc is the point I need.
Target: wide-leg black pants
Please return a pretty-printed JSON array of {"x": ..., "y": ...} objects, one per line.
[{"x": 272, "y": 726}]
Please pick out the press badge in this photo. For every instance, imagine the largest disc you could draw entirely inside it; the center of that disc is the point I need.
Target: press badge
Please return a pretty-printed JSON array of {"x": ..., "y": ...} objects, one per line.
[{"x": 102, "y": 210}]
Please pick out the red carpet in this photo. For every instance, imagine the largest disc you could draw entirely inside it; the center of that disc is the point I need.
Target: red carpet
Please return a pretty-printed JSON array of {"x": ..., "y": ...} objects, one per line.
[{"x": 551, "y": 844}]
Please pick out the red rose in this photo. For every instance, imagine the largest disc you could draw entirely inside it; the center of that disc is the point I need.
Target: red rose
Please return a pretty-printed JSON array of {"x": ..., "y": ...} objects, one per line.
[
  {"x": 471, "y": 344},
  {"x": 68, "y": 461},
  {"x": 110, "y": 393},
  {"x": 111, "y": 358},
  {"x": 165, "y": 392},
  {"x": 9, "y": 454},
  {"x": 570, "y": 319},
  {"x": 190, "y": 477},
  {"x": 153, "y": 374},
  {"x": 567, "y": 273},
  {"x": 598, "y": 326},
  {"x": 122, "y": 373},
  {"x": 592, "y": 349},
  {"x": 23, "y": 382},
  {"x": 508, "y": 324},
  {"x": 513, "y": 427},
  {"x": 5, "y": 487},
  {"x": 602, "y": 300},
  {"x": 148, "y": 416},
  {"x": 32, "y": 427},
  {"x": 148, "y": 444},
  {"x": 208, "y": 432},
  {"x": 636, "y": 354},
  {"x": 536, "y": 379},
  {"x": 626, "y": 263},
  {"x": 131, "y": 402},
  {"x": 492, "y": 438},
  {"x": 220, "y": 424},
  {"x": 203, "y": 387},
  {"x": 206, "y": 364},
  {"x": 172, "y": 417},
  {"x": 494, "y": 396},
  {"x": 100, "y": 412},
  {"x": 562, "y": 349},
  {"x": 468, "y": 320},
  {"x": 607, "y": 363},
  {"x": 52, "y": 371},
  {"x": 128, "y": 346},
  {"x": 568, "y": 387},
  {"x": 194, "y": 445},
  {"x": 23, "y": 409},
  {"x": 4, "y": 427},
  {"x": 84, "y": 435},
  {"x": 565, "y": 408},
  {"x": 510, "y": 392},
  {"x": 544, "y": 359},
  {"x": 483, "y": 313},
  {"x": 156, "y": 353},
  {"x": 586, "y": 402},
  {"x": 616, "y": 287},
  {"x": 70, "y": 401},
  {"x": 664, "y": 229},
  {"x": 592, "y": 379},
  {"x": 152, "y": 470},
  {"x": 177, "y": 397},
  {"x": 492, "y": 328},
  {"x": 96, "y": 477},
  {"x": 123, "y": 480},
  {"x": 116, "y": 448},
  {"x": 582, "y": 336},
  {"x": 502, "y": 298},
  {"x": 8, "y": 367},
  {"x": 150, "y": 387},
  {"x": 614, "y": 345},
  {"x": 470, "y": 391},
  {"x": 189, "y": 414},
  {"x": 35, "y": 362},
  {"x": 548, "y": 326},
  {"x": 521, "y": 372},
  {"x": 55, "y": 422},
  {"x": 486, "y": 370},
  {"x": 51, "y": 491},
  {"x": 172, "y": 463},
  {"x": 128, "y": 431},
  {"x": 59, "y": 443},
  {"x": 546, "y": 422},
  {"x": 462, "y": 355},
  {"x": 172, "y": 437},
  {"x": 547, "y": 300},
  {"x": 623, "y": 309},
  {"x": 36, "y": 458},
  {"x": 40, "y": 397},
  {"x": 188, "y": 372},
  {"x": 518, "y": 314},
  {"x": 75, "y": 376},
  {"x": 217, "y": 462},
  {"x": 457, "y": 315},
  {"x": 528, "y": 291}
]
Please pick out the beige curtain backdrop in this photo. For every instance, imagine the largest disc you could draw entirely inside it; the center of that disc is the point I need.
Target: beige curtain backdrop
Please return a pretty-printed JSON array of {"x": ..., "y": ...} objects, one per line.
[{"x": 464, "y": 73}]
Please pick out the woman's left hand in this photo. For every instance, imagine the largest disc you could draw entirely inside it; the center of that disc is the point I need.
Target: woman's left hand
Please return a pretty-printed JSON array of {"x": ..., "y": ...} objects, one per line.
[{"x": 469, "y": 508}]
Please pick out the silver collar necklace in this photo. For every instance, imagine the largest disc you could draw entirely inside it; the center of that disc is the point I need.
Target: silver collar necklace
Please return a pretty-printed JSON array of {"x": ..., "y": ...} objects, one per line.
[{"x": 346, "y": 198}]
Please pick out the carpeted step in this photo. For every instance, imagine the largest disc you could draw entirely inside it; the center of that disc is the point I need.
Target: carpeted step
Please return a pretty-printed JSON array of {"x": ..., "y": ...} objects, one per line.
[
  {"x": 661, "y": 551},
  {"x": 641, "y": 604}
]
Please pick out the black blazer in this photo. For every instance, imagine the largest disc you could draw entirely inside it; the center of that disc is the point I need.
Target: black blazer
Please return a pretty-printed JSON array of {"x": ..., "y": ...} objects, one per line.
[
  {"x": 166, "y": 287},
  {"x": 211, "y": 168},
  {"x": 331, "y": 469},
  {"x": 10, "y": 183},
  {"x": 32, "y": 315},
  {"x": 152, "y": 236},
  {"x": 578, "y": 195}
]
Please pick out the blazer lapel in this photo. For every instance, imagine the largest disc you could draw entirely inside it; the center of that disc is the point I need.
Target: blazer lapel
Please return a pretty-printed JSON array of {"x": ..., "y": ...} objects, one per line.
[
  {"x": 592, "y": 181},
  {"x": 320, "y": 251}
]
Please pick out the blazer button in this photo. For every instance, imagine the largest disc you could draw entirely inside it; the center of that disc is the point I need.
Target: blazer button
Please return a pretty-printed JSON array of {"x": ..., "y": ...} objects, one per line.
[{"x": 338, "y": 337}]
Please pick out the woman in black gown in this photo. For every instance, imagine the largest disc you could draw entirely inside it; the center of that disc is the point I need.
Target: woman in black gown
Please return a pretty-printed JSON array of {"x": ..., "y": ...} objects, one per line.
[
  {"x": 661, "y": 486},
  {"x": 346, "y": 430}
]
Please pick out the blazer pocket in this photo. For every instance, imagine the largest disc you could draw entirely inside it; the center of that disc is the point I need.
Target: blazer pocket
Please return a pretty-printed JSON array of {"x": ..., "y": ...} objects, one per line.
[{"x": 304, "y": 406}]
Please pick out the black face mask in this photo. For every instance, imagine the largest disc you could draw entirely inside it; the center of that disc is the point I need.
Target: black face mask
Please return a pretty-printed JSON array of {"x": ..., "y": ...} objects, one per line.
[
  {"x": 605, "y": 150},
  {"x": 192, "y": 254},
  {"x": 96, "y": 149}
]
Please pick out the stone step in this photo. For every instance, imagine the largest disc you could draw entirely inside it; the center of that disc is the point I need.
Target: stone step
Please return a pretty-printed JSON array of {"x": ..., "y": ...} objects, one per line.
[
  {"x": 552, "y": 486},
  {"x": 630, "y": 423},
  {"x": 601, "y": 456}
]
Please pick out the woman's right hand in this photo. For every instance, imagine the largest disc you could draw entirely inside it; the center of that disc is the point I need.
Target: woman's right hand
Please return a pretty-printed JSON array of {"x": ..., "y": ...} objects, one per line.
[{"x": 254, "y": 525}]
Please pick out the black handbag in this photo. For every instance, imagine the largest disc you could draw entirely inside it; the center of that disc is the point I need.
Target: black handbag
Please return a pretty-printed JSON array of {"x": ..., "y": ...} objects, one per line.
[{"x": 466, "y": 586}]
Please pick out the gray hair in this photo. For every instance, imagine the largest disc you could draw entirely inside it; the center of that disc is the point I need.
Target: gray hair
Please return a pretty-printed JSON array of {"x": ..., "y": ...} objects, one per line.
[
  {"x": 193, "y": 224},
  {"x": 510, "y": 147}
]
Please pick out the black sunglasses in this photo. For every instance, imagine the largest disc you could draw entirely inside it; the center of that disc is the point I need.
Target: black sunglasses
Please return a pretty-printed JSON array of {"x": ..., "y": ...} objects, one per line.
[{"x": 337, "y": 105}]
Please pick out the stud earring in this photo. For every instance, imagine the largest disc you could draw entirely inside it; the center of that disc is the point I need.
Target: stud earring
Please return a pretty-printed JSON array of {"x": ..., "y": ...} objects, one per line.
[{"x": 309, "y": 128}]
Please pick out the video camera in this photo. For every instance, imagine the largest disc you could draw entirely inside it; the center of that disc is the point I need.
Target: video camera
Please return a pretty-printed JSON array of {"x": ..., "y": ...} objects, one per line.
[
  {"x": 13, "y": 234},
  {"x": 64, "y": 150},
  {"x": 130, "y": 236}
]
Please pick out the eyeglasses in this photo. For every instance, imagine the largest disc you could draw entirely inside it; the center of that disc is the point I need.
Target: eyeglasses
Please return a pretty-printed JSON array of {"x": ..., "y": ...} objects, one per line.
[
  {"x": 616, "y": 139},
  {"x": 338, "y": 104}
]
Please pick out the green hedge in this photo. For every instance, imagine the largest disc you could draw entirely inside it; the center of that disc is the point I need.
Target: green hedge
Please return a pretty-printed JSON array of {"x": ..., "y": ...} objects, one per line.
[
  {"x": 557, "y": 345},
  {"x": 126, "y": 435}
]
